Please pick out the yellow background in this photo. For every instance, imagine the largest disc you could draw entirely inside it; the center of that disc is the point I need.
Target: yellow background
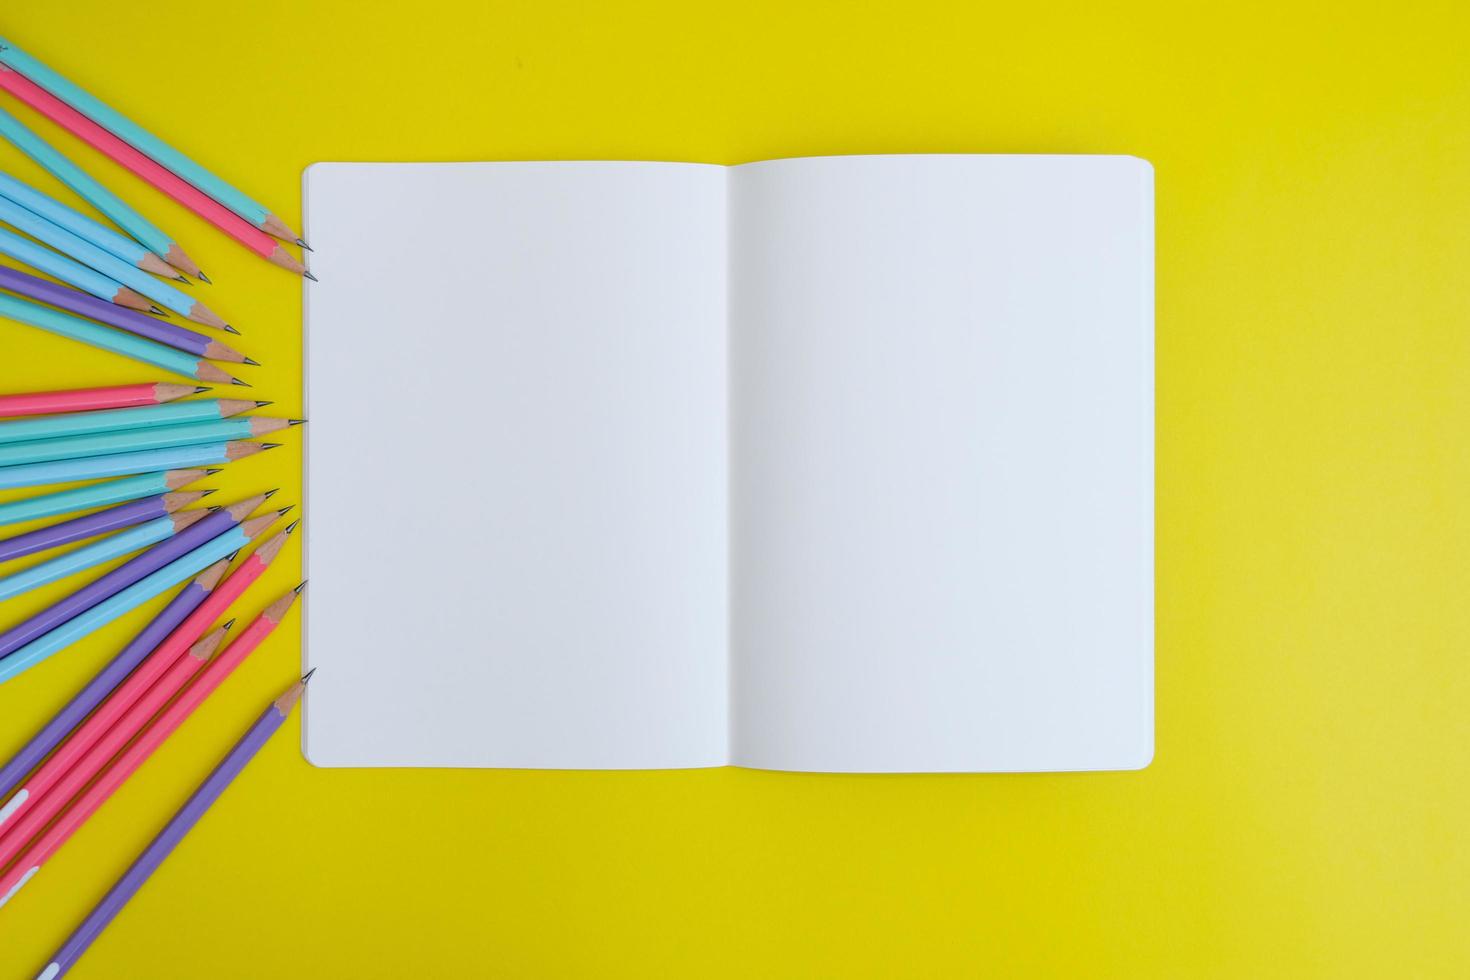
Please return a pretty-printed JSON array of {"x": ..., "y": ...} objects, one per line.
[{"x": 1307, "y": 812}]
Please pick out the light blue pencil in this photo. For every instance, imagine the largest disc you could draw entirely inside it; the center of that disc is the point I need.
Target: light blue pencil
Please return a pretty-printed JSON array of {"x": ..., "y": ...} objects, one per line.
[
  {"x": 122, "y": 419},
  {"x": 104, "y": 262},
  {"x": 88, "y": 189},
  {"x": 143, "y": 141},
  {"x": 79, "y": 224},
  {"x": 138, "y": 440},
  {"x": 122, "y": 543},
  {"x": 133, "y": 596},
  {"x": 98, "y": 495},
  {"x": 95, "y": 467},
  {"x": 116, "y": 341},
  {"x": 71, "y": 272}
]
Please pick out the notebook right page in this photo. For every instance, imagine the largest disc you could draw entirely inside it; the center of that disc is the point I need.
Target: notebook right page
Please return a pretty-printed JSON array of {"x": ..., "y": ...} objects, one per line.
[{"x": 942, "y": 463}]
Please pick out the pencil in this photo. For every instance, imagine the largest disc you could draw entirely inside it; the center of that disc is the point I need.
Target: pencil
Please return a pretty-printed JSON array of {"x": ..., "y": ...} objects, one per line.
[
  {"x": 98, "y": 494},
  {"x": 141, "y": 663},
  {"x": 60, "y": 778},
  {"x": 125, "y": 419},
  {"x": 123, "y": 543},
  {"x": 88, "y": 189},
  {"x": 114, "y": 268},
  {"x": 83, "y": 304},
  {"x": 79, "y": 224},
  {"x": 69, "y": 271},
  {"x": 215, "y": 523},
  {"x": 130, "y": 598},
  {"x": 138, "y": 440},
  {"x": 144, "y": 141},
  {"x": 101, "y": 522},
  {"x": 87, "y": 332},
  {"x": 72, "y": 718},
  {"x": 92, "y": 399},
  {"x": 121, "y": 153},
  {"x": 175, "y": 830},
  {"x": 121, "y": 464}
]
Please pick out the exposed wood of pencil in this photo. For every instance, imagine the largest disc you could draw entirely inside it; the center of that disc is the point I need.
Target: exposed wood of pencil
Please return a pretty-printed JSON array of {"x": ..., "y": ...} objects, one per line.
[
  {"x": 240, "y": 448},
  {"x": 133, "y": 301},
  {"x": 173, "y": 479},
  {"x": 203, "y": 314},
  {"x": 180, "y": 499},
  {"x": 263, "y": 426},
  {"x": 275, "y": 226},
  {"x": 235, "y": 406},
  {"x": 210, "y": 577},
  {"x": 171, "y": 392},
  {"x": 152, "y": 263},
  {"x": 243, "y": 509},
  {"x": 273, "y": 545},
  {"x": 256, "y": 525},
  {"x": 206, "y": 371},
  {"x": 276, "y": 611},
  {"x": 291, "y": 695},
  {"x": 186, "y": 517},
  {"x": 217, "y": 351},
  {"x": 286, "y": 260},
  {"x": 204, "y": 649},
  {"x": 175, "y": 257}
]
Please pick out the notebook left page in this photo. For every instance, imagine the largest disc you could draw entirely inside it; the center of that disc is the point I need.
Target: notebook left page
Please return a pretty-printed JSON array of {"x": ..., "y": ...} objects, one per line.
[{"x": 516, "y": 522}]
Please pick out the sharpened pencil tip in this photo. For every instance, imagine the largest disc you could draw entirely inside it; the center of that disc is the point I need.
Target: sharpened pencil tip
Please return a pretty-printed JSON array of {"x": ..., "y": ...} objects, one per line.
[
  {"x": 302, "y": 242},
  {"x": 204, "y": 278},
  {"x": 199, "y": 388},
  {"x": 293, "y": 525},
  {"x": 211, "y": 472},
  {"x": 268, "y": 445},
  {"x": 242, "y": 384},
  {"x": 157, "y": 312},
  {"x": 271, "y": 493},
  {"x": 306, "y": 677},
  {"x": 260, "y": 404},
  {"x": 284, "y": 510},
  {"x": 183, "y": 279},
  {"x": 296, "y": 421},
  {"x": 205, "y": 493},
  {"x": 251, "y": 361},
  {"x": 229, "y": 329},
  {"x": 232, "y": 555},
  {"x": 228, "y": 625},
  {"x": 307, "y": 274},
  {"x": 298, "y": 588}
]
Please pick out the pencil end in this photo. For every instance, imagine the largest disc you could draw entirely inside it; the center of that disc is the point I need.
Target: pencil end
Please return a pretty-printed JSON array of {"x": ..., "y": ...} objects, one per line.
[
  {"x": 302, "y": 243},
  {"x": 306, "y": 677},
  {"x": 251, "y": 361},
  {"x": 307, "y": 274},
  {"x": 204, "y": 279}
]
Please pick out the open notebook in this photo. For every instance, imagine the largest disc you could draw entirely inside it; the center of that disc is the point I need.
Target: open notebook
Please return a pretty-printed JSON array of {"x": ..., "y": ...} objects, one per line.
[{"x": 837, "y": 464}]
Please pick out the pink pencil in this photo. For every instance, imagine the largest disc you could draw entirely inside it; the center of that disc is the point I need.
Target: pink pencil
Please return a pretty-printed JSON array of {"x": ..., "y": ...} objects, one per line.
[
  {"x": 130, "y": 759},
  {"x": 92, "y": 399},
  {"x": 164, "y": 180},
  {"x": 69, "y": 762}
]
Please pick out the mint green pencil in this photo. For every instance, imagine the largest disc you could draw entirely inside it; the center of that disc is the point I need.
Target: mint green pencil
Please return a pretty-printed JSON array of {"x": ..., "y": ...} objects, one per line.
[
  {"x": 138, "y": 440},
  {"x": 123, "y": 419},
  {"x": 144, "y": 141},
  {"x": 102, "y": 494},
  {"x": 116, "y": 341},
  {"x": 108, "y": 264},
  {"x": 124, "y": 542},
  {"x": 88, "y": 189}
]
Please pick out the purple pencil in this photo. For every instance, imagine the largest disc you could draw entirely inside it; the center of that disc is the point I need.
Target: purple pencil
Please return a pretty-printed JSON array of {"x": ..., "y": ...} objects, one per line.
[
  {"x": 84, "y": 304},
  {"x": 163, "y": 845},
  {"x": 127, "y": 574},
  {"x": 99, "y": 687},
  {"x": 81, "y": 528}
]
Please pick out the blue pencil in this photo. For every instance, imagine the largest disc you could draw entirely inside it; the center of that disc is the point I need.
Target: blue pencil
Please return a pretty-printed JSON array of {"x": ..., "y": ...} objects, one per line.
[
  {"x": 98, "y": 495},
  {"x": 106, "y": 263},
  {"x": 122, "y": 419},
  {"x": 89, "y": 556},
  {"x": 138, "y": 440},
  {"x": 71, "y": 272},
  {"x": 96, "y": 467},
  {"x": 133, "y": 596},
  {"x": 79, "y": 224}
]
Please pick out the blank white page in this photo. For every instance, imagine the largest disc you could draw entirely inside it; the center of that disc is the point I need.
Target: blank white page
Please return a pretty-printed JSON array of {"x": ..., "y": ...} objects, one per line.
[
  {"x": 942, "y": 503},
  {"x": 517, "y": 465}
]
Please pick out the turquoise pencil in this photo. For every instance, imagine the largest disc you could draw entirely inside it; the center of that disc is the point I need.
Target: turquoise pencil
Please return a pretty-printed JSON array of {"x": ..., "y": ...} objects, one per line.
[
  {"x": 71, "y": 272},
  {"x": 123, "y": 419},
  {"x": 120, "y": 464},
  {"x": 143, "y": 141},
  {"x": 79, "y": 224},
  {"x": 88, "y": 189},
  {"x": 98, "y": 495},
  {"x": 116, "y": 341},
  {"x": 138, "y": 440},
  {"x": 122, "y": 543},
  {"x": 109, "y": 265},
  {"x": 133, "y": 596}
]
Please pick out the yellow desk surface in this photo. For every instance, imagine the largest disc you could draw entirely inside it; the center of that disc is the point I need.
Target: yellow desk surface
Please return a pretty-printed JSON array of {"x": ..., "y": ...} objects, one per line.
[{"x": 1308, "y": 810}]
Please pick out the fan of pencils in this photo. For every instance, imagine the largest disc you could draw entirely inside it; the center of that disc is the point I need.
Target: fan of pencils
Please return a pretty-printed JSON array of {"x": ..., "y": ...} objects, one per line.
[{"x": 114, "y": 469}]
